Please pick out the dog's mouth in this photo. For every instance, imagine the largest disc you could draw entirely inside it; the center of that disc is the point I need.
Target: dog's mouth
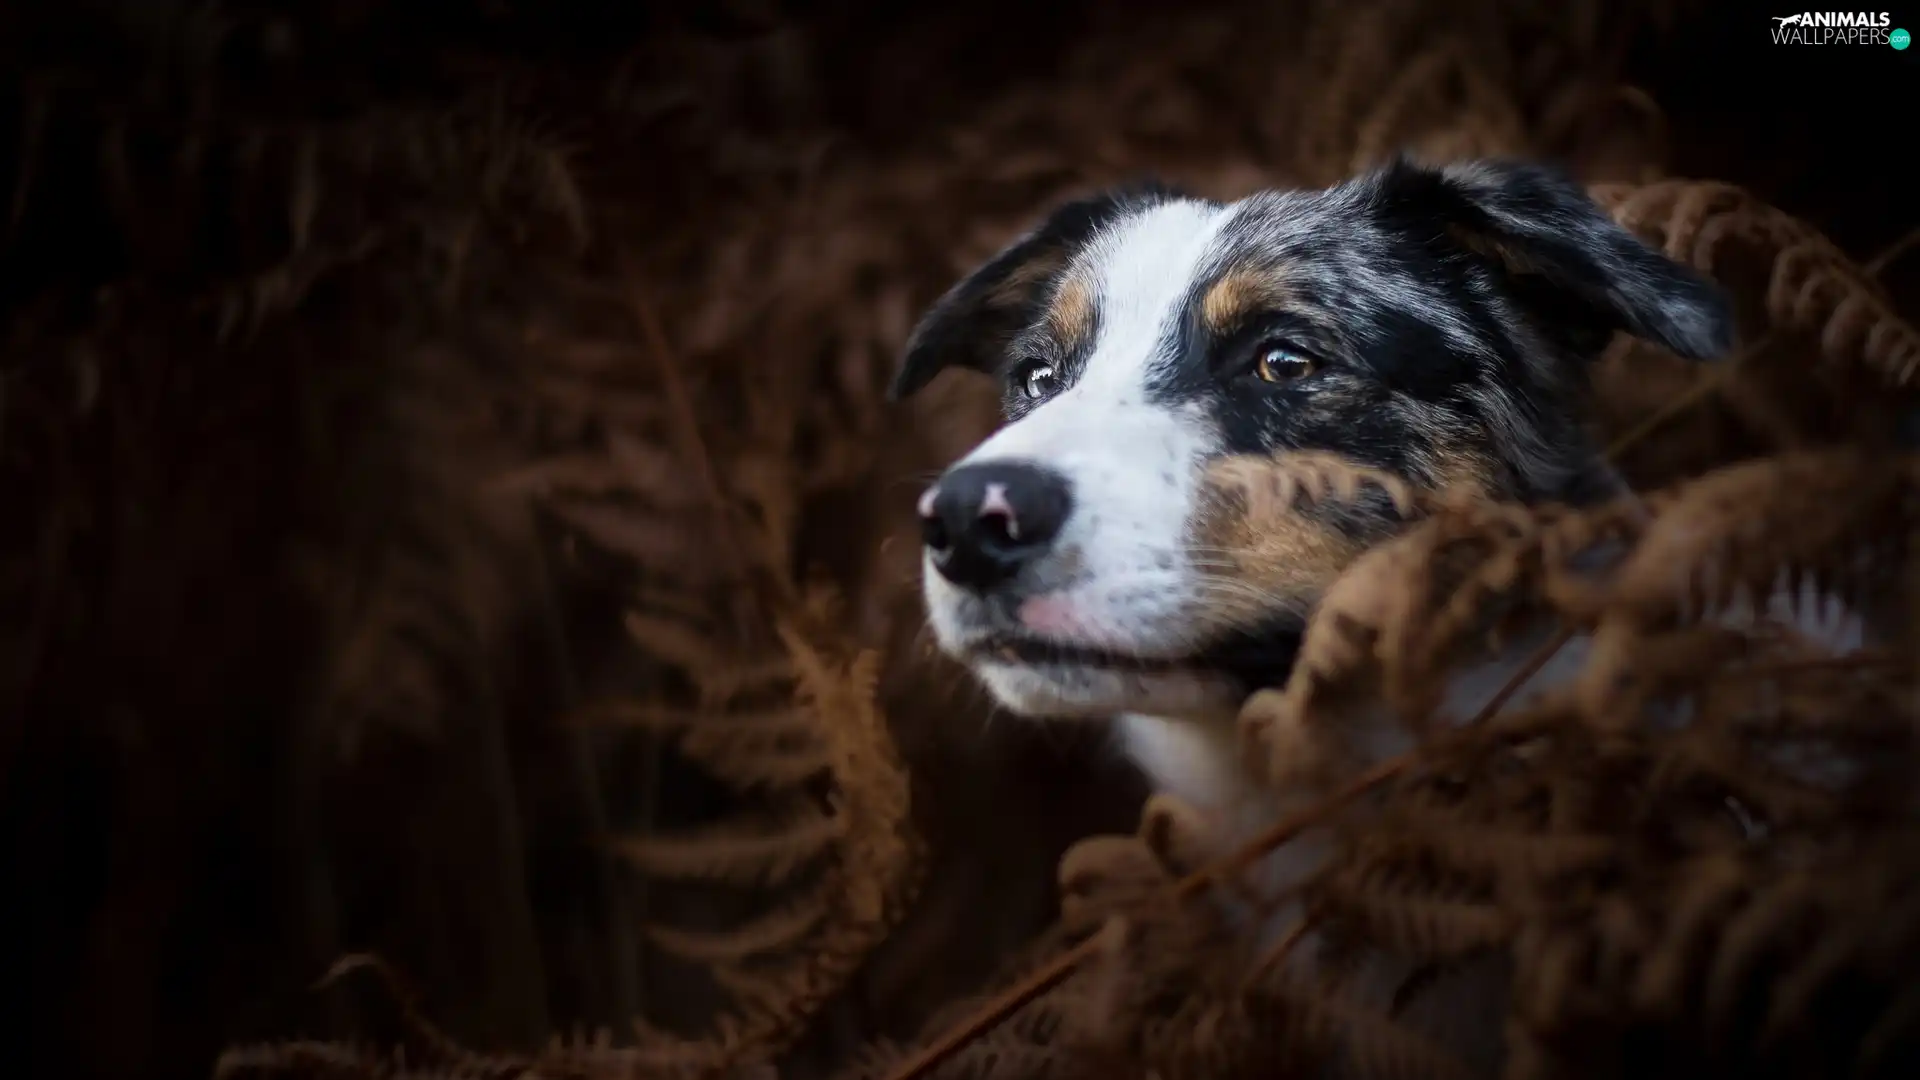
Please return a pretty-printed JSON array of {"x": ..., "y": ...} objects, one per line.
[{"x": 1256, "y": 658}]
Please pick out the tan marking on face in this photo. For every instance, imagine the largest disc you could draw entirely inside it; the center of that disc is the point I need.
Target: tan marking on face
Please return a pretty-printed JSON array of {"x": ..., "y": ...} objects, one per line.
[
  {"x": 1070, "y": 314},
  {"x": 1239, "y": 293},
  {"x": 1274, "y": 562}
]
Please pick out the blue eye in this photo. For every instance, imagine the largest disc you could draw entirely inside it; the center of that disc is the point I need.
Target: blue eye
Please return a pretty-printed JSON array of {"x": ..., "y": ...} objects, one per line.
[{"x": 1283, "y": 364}]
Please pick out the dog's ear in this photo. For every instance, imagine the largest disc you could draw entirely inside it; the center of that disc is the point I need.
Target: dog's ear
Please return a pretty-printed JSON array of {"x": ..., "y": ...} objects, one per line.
[
  {"x": 1562, "y": 248},
  {"x": 971, "y": 325}
]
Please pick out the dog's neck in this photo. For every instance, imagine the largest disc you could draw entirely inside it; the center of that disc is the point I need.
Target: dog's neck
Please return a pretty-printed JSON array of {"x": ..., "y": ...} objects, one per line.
[{"x": 1200, "y": 760}]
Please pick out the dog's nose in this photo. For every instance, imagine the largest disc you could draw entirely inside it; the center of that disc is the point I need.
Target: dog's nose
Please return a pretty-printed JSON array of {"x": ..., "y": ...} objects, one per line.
[{"x": 982, "y": 523}]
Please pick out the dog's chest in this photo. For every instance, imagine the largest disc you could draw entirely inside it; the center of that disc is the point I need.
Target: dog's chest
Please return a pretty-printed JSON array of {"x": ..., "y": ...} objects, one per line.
[
  {"x": 1200, "y": 764},
  {"x": 1195, "y": 761}
]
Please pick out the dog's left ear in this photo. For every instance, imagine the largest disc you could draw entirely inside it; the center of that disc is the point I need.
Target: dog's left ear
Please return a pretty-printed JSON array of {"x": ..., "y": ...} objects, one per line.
[
  {"x": 1545, "y": 229},
  {"x": 971, "y": 325}
]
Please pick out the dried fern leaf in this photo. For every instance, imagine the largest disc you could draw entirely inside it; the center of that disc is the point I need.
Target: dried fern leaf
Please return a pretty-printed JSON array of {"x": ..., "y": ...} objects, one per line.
[
  {"x": 646, "y": 474},
  {"x": 1271, "y": 486},
  {"x": 753, "y": 854},
  {"x": 1813, "y": 286},
  {"x": 1728, "y": 537},
  {"x": 1414, "y": 922},
  {"x": 782, "y": 928},
  {"x": 648, "y": 539},
  {"x": 783, "y": 722},
  {"x": 751, "y": 752},
  {"x": 674, "y": 642}
]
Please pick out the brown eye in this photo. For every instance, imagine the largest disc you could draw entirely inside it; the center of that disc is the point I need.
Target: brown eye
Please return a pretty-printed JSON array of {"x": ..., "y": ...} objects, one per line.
[{"x": 1280, "y": 364}]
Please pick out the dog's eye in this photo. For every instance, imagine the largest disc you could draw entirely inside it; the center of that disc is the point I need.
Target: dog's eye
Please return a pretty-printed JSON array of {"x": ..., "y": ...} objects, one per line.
[
  {"x": 1037, "y": 380},
  {"x": 1282, "y": 364}
]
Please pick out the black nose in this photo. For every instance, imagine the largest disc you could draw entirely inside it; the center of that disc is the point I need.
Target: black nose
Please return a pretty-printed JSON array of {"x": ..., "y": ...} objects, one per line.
[{"x": 982, "y": 523}]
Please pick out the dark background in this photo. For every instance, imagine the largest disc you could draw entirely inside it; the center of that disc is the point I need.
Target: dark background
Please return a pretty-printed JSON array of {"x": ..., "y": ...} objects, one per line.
[{"x": 277, "y": 682}]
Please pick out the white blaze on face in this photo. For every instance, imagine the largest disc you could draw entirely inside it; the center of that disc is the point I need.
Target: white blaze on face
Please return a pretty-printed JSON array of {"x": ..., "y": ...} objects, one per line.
[{"x": 1118, "y": 577}]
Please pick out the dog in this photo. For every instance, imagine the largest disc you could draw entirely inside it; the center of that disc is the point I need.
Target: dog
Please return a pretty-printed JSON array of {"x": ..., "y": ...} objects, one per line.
[
  {"x": 1432, "y": 321},
  {"x": 1435, "y": 322}
]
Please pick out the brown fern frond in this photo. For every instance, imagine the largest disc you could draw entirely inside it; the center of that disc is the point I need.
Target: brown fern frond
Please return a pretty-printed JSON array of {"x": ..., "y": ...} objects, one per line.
[
  {"x": 309, "y": 1061},
  {"x": 1510, "y": 855},
  {"x": 1813, "y": 287},
  {"x": 737, "y": 853},
  {"x": 1271, "y": 487},
  {"x": 658, "y": 1057},
  {"x": 805, "y": 949},
  {"x": 1832, "y": 523},
  {"x": 1045, "y": 1033},
  {"x": 1444, "y": 82},
  {"x": 775, "y": 749},
  {"x": 768, "y": 691},
  {"x": 1106, "y": 876},
  {"x": 1390, "y": 76},
  {"x": 1220, "y": 1034},
  {"x": 659, "y": 542},
  {"x": 682, "y": 644},
  {"x": 1418, "y": 923},
  {"x": 1346, "y": 641},
  {"x": 782, "y": 928},
  {"x": 1007, "y": 1053},
  {"x": 629, "y": 467},
  {"x": 1316, "y": 1024},
  {"x": 1404, "y": 613},
  {"x": 431, "y": 1055},
  {"x": 1761, "y": 962}
]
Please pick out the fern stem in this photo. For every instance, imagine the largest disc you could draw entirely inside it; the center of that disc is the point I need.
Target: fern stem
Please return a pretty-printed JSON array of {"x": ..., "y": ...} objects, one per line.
[
  {"x": 1527, "y": 671},
  {"x": 1282, "y": 949}
]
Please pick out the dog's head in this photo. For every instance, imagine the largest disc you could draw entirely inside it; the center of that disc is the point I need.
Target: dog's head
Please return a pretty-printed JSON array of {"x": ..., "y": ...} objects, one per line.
[{"x": 1431, "y": 322}]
